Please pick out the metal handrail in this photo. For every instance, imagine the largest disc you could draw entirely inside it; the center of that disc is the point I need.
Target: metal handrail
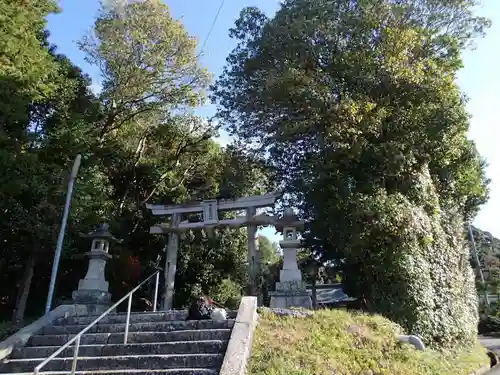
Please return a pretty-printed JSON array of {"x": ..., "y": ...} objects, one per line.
[{"x": 79, "y": 335}]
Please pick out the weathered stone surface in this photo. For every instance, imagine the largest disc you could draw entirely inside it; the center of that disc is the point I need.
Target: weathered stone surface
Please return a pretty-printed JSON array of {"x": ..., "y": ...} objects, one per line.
[
  {"x": 287, "y": 299},
  {"x": 240, "y": 343},
  {"x": 176, "y": 347},
  {"x": 134, "y": 318},
  {"x": 297, "y": 286},
  {"x": 286, "y": 312},
  {"x": 183, "y": 371},
  {"x": 121, "y": 318},
  {"x": 113, "y": 318},
  {"x": 141, "y": 327},
  {"x": 20, "y": 338},
  {"x": 291, "y": 289},
  {"x": 134, "y": 337},
  {"x": 158, "y": 343},
  {"x": 92, "y": 297},
  {"x": 132, "y": 362}
]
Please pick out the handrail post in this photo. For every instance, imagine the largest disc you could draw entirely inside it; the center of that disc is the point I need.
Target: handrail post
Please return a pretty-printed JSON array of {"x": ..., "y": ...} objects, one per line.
[
  {"x": 75, "y": 355},
  {"x": 155, "y": 299},
  {"x": 77, "y": 338},
  {"x": 128, "y": 318}
]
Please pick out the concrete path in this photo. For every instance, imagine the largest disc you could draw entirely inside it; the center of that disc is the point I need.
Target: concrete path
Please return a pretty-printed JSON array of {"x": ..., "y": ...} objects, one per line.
[
  {"x": 490, "y": 343},
  {"x": 495, "y": 371},
  {"x": 493, "y": 344}
]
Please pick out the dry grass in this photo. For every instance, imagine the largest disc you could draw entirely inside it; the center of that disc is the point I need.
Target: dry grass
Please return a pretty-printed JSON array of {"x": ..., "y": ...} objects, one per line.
[{"x": 336, "y": 342}]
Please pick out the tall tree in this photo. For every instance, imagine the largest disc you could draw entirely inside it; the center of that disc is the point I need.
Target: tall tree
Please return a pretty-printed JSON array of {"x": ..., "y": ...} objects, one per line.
[
  {"x": 151, "y": 147},
  {"x": 350, "y": 103},
  {"x": 55, "y": 137},
  {"x": 26, "y": 67},
  {"x": 151, "y": 82},
  {"x": 139, "y": 141},
  {"x": 268, "y": 250},
  {"x": 35, "y": 84}
]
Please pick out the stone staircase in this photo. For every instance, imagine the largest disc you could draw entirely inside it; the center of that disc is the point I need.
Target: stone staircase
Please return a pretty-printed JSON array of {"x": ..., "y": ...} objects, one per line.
[{"x": 158, "y": 343}]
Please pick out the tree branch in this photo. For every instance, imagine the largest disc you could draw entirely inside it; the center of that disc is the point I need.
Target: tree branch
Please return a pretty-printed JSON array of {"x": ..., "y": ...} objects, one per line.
[{"x": 162, "y": 178}]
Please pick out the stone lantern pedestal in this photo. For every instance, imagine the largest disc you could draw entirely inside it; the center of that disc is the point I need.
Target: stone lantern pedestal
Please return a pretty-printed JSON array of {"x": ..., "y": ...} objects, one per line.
[
  {"x": 290, "y": 290},
  {"x": 93, "y": 288}
]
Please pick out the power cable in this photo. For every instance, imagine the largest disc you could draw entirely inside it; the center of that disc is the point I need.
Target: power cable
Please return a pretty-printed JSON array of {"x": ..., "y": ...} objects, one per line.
[{"x": 211, "y": 27}]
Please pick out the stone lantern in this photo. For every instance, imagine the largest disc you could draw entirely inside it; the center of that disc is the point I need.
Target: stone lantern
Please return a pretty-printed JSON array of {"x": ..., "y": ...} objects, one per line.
[
  {"x": 290, "y": 290},
  {"x": 93, "y": 289},
  {"x": 312, "y": 268}
]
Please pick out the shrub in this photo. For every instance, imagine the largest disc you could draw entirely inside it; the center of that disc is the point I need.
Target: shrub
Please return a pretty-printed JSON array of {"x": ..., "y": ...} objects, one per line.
[
  {"x": 227, "y": 293},
  {"x": 420, "y": 277}
]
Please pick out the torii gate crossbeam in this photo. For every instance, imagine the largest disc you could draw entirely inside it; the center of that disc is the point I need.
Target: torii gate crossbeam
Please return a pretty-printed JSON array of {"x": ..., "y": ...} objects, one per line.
[{"x": 210, "y": 209}]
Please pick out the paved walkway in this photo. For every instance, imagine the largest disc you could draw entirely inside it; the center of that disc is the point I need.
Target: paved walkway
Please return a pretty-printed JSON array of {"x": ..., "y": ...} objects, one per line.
[
  {"x": 495, "y": 371},
  {"x": 493, "y": 344}
]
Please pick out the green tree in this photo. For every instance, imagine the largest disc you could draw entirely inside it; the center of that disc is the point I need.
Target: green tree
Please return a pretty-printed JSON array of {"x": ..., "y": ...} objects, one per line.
[
  {"x": 268, "y": 250},
  {"x": 39, "y": 92},
  {"x": 150, "y": 146},
  {"x": 26, "y": 67},
  {"x": 139, "y": 141},
  {"x": 35, "y": 183},
  {"x": 355, "y": 107}
]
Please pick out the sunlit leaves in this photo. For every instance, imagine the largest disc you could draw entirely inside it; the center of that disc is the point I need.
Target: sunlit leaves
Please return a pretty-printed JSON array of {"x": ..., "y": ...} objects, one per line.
[{"x": 355, "y": 107}]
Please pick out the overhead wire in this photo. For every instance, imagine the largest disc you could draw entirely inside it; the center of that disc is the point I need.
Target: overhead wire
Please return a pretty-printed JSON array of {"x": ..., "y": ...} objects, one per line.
[{"x": 211, "y": 27}]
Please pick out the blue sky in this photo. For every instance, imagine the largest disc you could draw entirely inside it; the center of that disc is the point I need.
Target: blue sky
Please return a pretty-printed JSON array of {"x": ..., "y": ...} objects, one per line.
[{"x": 480, "y": 78}]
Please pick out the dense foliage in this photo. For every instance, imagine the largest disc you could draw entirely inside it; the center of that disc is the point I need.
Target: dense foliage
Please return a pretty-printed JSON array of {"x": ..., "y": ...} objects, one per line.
[
  {"x": 488, "y": 254},
  {"x": 488, "y": 250},
  {"x": 354, "y": 104},
  {"x": 140, "y": 143},
  {"x": 350, "y": 107}
]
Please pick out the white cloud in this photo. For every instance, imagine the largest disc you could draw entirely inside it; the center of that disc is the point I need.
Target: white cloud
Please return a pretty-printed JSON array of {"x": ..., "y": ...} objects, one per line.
[
  {"x": 114, "y": 5},
  {"x": 96, "y": 88}
]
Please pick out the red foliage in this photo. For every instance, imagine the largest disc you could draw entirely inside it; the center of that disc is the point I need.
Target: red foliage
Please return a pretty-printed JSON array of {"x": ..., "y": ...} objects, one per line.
[{"x": 132, "y": 268}]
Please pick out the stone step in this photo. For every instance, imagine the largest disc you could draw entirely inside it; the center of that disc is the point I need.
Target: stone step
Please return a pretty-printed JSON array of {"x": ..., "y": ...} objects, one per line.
[
  {"x": 133, "y": 337},
  {"x": 183, "y": 371},
  {"x": 130, "y": 362},
  {"x": 176, "y": 347},
  {"x": 174, "y": 325},
  {"x": 174, "y": 315},
  {"x": 121, "y": 317}
]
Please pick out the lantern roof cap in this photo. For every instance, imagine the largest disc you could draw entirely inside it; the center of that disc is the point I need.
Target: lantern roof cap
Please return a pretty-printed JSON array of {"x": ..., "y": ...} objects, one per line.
[
  {"x": 102, "y": 232},
  {"x": 290, "y": 220}
]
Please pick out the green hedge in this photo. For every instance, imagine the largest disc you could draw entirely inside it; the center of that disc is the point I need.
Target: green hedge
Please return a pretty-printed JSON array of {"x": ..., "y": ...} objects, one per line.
[{"x": 414, "y": 266}]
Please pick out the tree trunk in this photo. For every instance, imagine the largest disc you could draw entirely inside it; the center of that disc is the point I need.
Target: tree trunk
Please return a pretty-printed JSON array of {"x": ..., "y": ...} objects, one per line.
[
  {"x": 314, "y": 295},
  {"x": 23, "y": 291}
]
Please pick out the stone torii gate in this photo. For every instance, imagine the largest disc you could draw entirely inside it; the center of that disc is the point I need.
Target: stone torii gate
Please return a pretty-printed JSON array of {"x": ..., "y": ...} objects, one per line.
[{"x": 210, "y": 211}]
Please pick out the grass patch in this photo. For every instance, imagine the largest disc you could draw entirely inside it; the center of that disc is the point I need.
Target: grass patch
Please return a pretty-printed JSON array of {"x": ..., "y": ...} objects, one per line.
[{"x": 337, "y": 342}]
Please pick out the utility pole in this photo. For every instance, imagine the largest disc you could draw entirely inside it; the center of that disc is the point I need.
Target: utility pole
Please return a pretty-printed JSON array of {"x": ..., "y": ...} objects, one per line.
[{"x": 62, "y": 230}]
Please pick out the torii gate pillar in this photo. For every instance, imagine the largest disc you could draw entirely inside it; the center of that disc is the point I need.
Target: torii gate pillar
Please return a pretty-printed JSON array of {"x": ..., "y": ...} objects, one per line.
[
  {"x": 252, "y": 255},
  {"x": 171, "y": 264}
]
